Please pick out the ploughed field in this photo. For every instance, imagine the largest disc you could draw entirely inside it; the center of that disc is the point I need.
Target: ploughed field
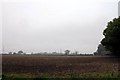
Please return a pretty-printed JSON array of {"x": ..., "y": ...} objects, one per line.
[{"x": 32, "y": 66}]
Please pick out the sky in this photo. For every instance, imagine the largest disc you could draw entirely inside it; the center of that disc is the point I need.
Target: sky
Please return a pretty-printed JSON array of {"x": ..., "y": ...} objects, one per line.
[
  {"x": 55, "y": 25},
  {"x": 119, "y": 8},
  {"x": 0, "y": 27}
]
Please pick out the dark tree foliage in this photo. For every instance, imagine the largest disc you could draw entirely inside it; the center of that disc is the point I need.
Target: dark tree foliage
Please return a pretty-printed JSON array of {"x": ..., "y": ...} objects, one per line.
[
  {"x": 112, "y": 37},
  {"x": 67, "y": 52},
  {"x": 20, "y": 52}
]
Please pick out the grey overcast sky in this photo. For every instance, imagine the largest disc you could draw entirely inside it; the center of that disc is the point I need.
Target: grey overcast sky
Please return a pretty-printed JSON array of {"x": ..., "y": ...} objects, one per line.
[
  {"x": 119, "y": 8},
  {"x": 54, "y": 25},
  {"x": 0, "y": 27}
]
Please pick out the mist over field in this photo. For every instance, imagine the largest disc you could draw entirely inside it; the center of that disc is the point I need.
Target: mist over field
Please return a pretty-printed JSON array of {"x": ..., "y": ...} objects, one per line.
[{"x": 54, "y": 25}]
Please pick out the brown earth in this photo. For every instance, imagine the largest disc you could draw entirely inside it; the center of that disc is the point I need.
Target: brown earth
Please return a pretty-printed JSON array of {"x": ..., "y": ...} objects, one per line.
[{"x": 58, "y": 65}]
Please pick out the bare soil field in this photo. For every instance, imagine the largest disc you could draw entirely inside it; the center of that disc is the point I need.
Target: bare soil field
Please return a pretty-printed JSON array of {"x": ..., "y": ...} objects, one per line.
[{"x": 59, "y": 66}]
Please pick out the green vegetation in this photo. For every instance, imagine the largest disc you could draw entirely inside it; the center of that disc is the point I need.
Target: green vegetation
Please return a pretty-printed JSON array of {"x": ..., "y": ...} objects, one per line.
[
  {"x": 68, "y": 75},
  {"x": 112, "y": 37}
]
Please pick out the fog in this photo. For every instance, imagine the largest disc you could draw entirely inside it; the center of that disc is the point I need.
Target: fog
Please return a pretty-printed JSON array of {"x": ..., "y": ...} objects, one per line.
[
  {"x": 119, "y": 8},
  {"x": 55, "y": 25},
  {"x": 0, "y": 27}
]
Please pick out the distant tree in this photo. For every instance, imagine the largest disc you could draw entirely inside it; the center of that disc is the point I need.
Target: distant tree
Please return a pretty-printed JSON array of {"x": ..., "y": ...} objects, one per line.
[
  {"x": 100, "y": 49},
  {"x": 20, "y": 52},
  {"x": 14, "y": 53},
  {"x": 112, "y": 37},
  {"x": 10, "y": 53},
  {"x": 54, "y": 53},
  {"x": 95, "y": 53},
  {"x": 76, "y": 52},
  {"x": 67, "y": 52}
]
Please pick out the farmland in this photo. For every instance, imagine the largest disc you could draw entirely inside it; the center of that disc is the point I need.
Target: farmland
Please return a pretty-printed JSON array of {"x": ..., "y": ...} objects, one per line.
[{"x": 35, "y": 66}]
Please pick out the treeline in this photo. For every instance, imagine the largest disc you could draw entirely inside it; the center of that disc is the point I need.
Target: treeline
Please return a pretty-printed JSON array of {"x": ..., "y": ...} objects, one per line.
[{"x": 65, "y": 53}]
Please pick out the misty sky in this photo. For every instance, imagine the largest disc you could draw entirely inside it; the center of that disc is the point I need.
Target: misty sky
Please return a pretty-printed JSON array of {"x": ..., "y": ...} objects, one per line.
[
  {"x": 54, "y": 25},
  {"x": 0, "y": 27},
  {"x": 119, "y": 8}
]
